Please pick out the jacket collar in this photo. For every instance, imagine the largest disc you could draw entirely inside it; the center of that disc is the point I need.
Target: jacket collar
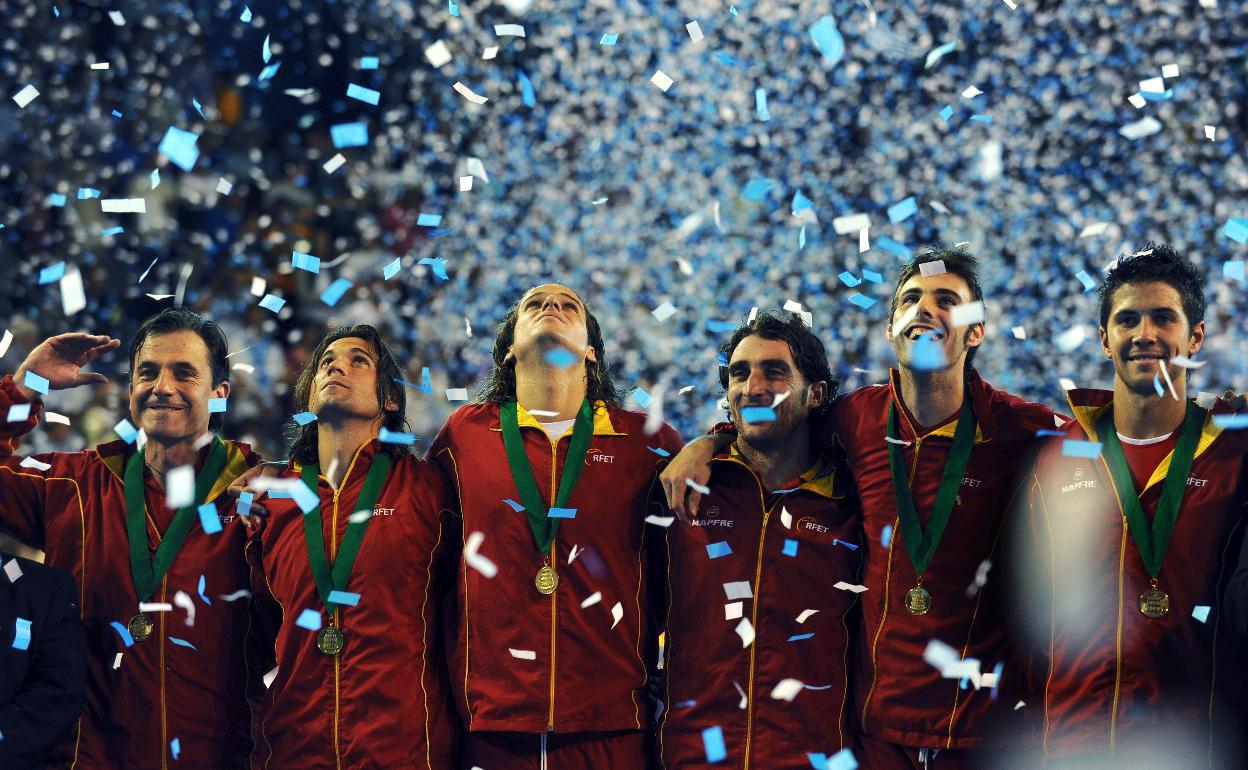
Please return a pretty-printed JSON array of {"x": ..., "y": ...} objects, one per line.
[
  {"x": 819, "y": 479},
  {"x": 238, "y": 458},
  {"x": 362, "y": 458},
  {"x": 981, "y": 403},
  {"x": 602, "y": 420}
]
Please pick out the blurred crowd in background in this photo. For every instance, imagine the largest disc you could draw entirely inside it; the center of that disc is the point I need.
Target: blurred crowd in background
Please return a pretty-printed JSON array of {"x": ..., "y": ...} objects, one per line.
[{"x": 1014, "y": 126}]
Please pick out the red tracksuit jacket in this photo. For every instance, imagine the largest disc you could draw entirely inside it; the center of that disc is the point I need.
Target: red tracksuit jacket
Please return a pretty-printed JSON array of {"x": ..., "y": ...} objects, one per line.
[
  {"x": 75, "y": 511},
  {"x": 574, "y": 668},
  {"x": 384, "y": 701},
  {"x": 900, "y": 697},
  {"x": 788, "y": 551},
  {"x": 1117, "y": 679}
]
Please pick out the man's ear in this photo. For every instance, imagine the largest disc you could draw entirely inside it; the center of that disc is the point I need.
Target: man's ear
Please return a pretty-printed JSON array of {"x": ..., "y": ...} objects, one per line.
[
  {"x": 222, "y": 390},
  {"x": 510, "y": 358},
  {"x": 591, "y": 355},
  {"x": 818, "y": 393},
  {"x": 975, "y": 335},
  {"x": 1105, "y": 344},
  {"x": 1198, "y": 339}
]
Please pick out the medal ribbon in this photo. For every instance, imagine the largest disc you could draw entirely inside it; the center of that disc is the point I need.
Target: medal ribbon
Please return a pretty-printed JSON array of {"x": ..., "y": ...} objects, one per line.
[
  {"x": 921, "y": 544},
  {"x": 147, "y": 570},
  {"x": 336, "y": 578},
  {"x": 543, "y": 527},
  {"x": 1152, "y": 541}
]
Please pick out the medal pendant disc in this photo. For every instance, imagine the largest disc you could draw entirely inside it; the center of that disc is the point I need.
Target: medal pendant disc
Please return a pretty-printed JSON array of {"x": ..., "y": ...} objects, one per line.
[
  {"x": 140, "y": 627},
  {"x": 1154, "y": 603},
  {"x": 547, "y": 580},
  {"x": 329, "y": 640},
  {"x": 918, "y": 600}
]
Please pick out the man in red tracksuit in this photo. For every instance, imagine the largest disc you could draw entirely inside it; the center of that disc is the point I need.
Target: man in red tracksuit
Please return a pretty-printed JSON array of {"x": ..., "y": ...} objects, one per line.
[
  {"x": 167, "y": 685},
  {"x": 557, "y": 614},
  {"x": 937, "y": 455},
  {"x": 349, "y": 604},
  {"x": 1135, "y": 511},
  {"x": 757, "y": 644}
]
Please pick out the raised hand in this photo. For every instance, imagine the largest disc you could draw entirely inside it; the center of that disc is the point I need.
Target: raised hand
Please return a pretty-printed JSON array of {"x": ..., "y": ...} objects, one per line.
[
  {"x": 60, "y": 360},
  {"x": 691, "y": 464}
]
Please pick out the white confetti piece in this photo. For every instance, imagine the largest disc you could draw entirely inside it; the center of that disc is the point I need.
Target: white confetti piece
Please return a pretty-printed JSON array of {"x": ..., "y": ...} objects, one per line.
[
  {"x": 490, "y": 52},
  {"x": 572, "y": 554},
  {"x": 117, "y": 662},
  {"x": 13, "y": 570},
  {"x": 465, "y": 183},
  {"x": 1019, "y": 705},
  {"x": 100, "y": 65},
  {"x": 1187, "y": 363},
  {"x": 1210, "y": 132},
  {"x": 456, "y": 394},
  {"x": 334, "y": 163},
  {"x": 117, "y": 18},
  {"x": 241, "y": 593},
  {"x": 1019, "y": 333},
  {"x": 1141, "y": 128},
  {"x": 5, "y": 342},
  {"x": 25, "y": 96},
  {"x": 664, "y": 311},
  {"x": 1152, "y": 86},
  {"x": 592, "y": 599},
  {"x": 182, "y": 599},
  {"x": 805, "y": 616},
  {"x": 934, "y": 267},
  {"x": 786, "y": 689},
  {"x": 864, "y": 242},
  {"x": 851, "y": 223},
  {"x": 522, "y": 654},
  {"x": 661, "y": 521},
  {"x": 509, "y": 30},
  {"x": 31, "y": 462},
  {"x": 155, "y": 607},
  {"x": 123, "y": 205},
  {"x": 468, "y": 94},
  {"x": 224, "y": 186},
  {"x": 1170, "y": 70},
  {"x": 60, "y": 418},
  {"x": 695, "y": 31},
  {"x": 967, "y": 314},
  {"x": 738, "y": 589},
  {"x": 971, "y": 92},
  {"x": 1010, "y": 4},
  {"x": 476, "y": 560},
  {"x": 1071, "y": 338},
  {"x": 745, "y": 700},
  {"x": 842, "y": 585},
  {"x": 617, "y": 614},
  {"x": 73, "y": 296},
  {"x": 661, "y": 80},
  {"x": 786, "y": 518},
  {"x": 269, "y": 677},
  {"x": 1096, "y": 228},
  {"x": 438, "y": 54},
  {"x": 180, "y": 486},
  {"x": 745, "y": 630},
  {"x": 1137, "y": 101},
  {"x": 733, "y": 610}
]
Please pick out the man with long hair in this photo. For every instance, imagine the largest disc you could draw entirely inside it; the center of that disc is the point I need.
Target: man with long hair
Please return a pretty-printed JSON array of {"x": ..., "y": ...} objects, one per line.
[
  {"x": 346, "y": 574},
  {"x": 144, "y": 528},
  {"x": 556, "y": 619}
]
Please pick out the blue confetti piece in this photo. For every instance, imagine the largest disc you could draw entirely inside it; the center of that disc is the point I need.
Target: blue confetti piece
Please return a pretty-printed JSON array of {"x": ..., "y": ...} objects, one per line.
[
  {"x": 946, "y": 112},
  {"x": 560, "y": 357},
  {"x": 112, "y": 231},
  {"x": 842, "y": 760},
  {"x": 728, "y": 59},
  {"x": 1152, "y": 96},
  {"x": 391, "y": 269},
  {"x": 155, "y": 177},
  {"x": 828, "y": 40},
  {"x": 126, "y": 431},
  {"x": 713, "y": 742},
  {"x": 641, "y": 397},
  {"x": 720, "y": 327},
  {"x": 1230, "y": 421},
  {"x": 52, "y": 273},
  {"x": 902, "y": 210},
  {"x": 266, "y": 52},
  {"x": 732, "y": 9},
  {"x": 452, "y": 7},
  {"x": 801, "y": 238},
  {"x": 124, "y": 632},
  {"x": 301, "y": 261},
  {"x": 753, "y": 414},
  {"x": 426, "y": 382},
  {"x": 1086, "y": 449},
  {"x": 335, "y": 291},
  {"x": 19, "y": 412},
  {"x": 56, "y": 199},
  {"x": 245, "y": 499},
  {"x": 245, "y": 17},
  {"x": 886, "y": 535},
  {"x": 850, "y": 546},
  {"x": 272, "y": 303},
  {"x": 183, "y": 643},
  {"x": 179, "y": 147},
  {"x": 203, "y": 581},
  {"x": 35, "y": 382},
  {"x": 801, "y": 202},
  {"x": 21, "y": 635},
  {"x": 1201, "y": 613},
  {"x": 517, "y": 507},
  {"x": 527, "y": 95},
  {"x": 799, "y": 637},
  {"x": 369, "y": 62},
  {"x": 116, "y": 114},
  {"x": 660, "y": 451},
  {"x": 722, "y": 358},
  {"x": 216, "y": 405},
  {"x": 981, "y": 118},
  {"x": 848, "y": 279},
  {"x": 199, "y": 108},
  {"x": 790, "y": 547},
  {"x": 438, "y": 265},
  {"x": 281, "y": 494},
  {"x": 716, "y": 550},
  {"x": 1236, "y": 228},
  {"x": 208, "y": 519},
  {"x": 367, "y": 95},
  {"x": 428, "y": 220},
  {"x": 885, "y": 243},
  {"x": 609, "y": 38},
  {"x": 861, "y": 300},
  {"x": 1086, "y": 280},
  {"x": 309, "y": 619},
  {"x": 269, "y": 71},
  {"x": 927, "y": 355},
  {"x": 175, "y": 746},
  {"x": 1043, "y": 432},
  {"x": 872, "y": 276},
  {"x": 87, "y": 192},
  {"x": 396, "y": 437},
  {"x": 349, "y": 134},
  {"x": 938, "y": 53},
  {"x": 344, "y": 598},
  {"x": 757, "y": 189},
  {"x": 760, "y": 104},
  {"x": 57, "y": 13},
  {"x": 818, "y": 761},
  {"x": 1233, "y": 270},
  {"x": 561, "y": 513},
  {"x": 303, "y": 418}
]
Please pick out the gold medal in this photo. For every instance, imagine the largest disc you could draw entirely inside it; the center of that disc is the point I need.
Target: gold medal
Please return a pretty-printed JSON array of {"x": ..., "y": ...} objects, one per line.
[
  {"x": 1154, "y": 603},
  {"x": 140, "y": 627},
  {"x": 918, "y": 600},
  {"x": 329, "y": 640},
  {"x": 547, "y": 580}
]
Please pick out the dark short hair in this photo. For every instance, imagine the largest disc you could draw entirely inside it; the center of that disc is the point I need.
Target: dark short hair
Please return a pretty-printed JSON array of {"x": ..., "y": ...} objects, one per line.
[
  {"x": 1156, "y": 262},
  {"x": 805, "y": 346},
  {"x": 176, "y": 319},
  {"x": 302, "y": 439},
  {"x": 500, "y": 384},
  {"x": 958, "y": 261}
]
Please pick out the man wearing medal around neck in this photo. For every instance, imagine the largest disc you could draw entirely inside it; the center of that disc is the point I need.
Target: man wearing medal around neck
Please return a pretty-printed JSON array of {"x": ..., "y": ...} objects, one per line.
[
  {"x": 1132, "y": 541},
  {"x": 936, "y": 454},
  {"x": 559, "y": 598},
  {"x": 346, "y": 575},
  {"x": 167, "y": 683},
  {"x": 751, "y": 601}
]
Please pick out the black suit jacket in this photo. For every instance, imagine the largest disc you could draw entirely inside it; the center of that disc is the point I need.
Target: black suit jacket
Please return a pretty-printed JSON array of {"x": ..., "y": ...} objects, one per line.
[{"x": 41, "y": 687}]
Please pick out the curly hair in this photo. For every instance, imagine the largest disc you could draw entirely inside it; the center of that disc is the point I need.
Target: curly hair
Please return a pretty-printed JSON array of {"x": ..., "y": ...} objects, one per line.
[
  {"x": 804, "y": 344},
  {"x": 1155, "y": 262}
]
